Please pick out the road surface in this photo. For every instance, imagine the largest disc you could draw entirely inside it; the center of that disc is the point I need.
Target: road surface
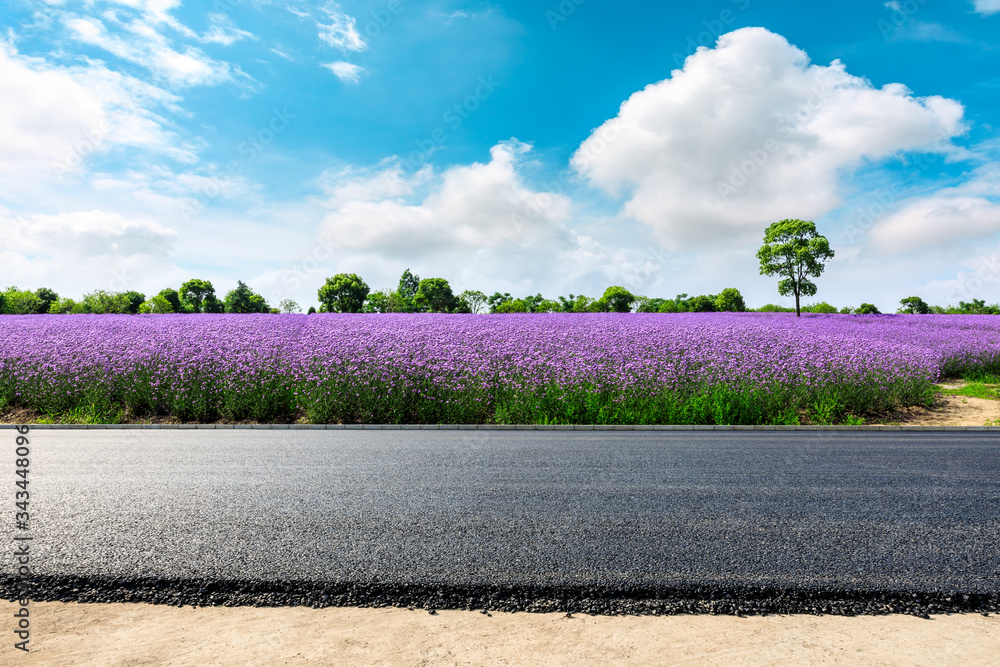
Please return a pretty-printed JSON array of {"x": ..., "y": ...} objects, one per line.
[{"x": 641, "y": 522}]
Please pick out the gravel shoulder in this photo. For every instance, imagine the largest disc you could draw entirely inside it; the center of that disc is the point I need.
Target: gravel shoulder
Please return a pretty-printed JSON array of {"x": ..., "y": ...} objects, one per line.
[{"x": 138, "y": 634}]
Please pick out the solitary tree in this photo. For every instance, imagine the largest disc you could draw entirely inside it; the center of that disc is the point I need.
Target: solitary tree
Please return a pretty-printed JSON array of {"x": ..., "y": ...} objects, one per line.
[
  {"x": 343, "y": 293},
  {"x": 794, "y": 250}
]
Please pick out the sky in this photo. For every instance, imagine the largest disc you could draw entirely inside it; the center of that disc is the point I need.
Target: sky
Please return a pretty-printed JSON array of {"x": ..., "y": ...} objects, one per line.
[{"x": 553, "y": 147}]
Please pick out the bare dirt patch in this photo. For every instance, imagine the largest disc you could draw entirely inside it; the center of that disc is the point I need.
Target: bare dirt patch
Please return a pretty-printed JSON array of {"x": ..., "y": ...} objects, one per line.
[
  {"x": 138, "y": 634},
  {"x": 950, "y": 410}
]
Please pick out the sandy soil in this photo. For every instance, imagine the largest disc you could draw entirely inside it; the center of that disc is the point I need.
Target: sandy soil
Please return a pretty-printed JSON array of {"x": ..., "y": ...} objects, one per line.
[
  {"x": 953, "y": 411},
  {"x": 135, "y": 634}
]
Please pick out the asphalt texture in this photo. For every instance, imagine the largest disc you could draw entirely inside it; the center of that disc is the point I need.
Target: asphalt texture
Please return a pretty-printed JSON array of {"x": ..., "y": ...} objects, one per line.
[{"x": 598, "y": 522}]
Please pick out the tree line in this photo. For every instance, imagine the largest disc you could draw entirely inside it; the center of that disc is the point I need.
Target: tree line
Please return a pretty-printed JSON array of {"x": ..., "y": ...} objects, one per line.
[
  {"x": 792, "y": 250},
  {"x": 194, "y": 296}
]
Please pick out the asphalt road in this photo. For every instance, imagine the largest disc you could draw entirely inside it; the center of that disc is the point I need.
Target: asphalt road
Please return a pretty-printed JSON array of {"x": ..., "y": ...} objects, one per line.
[{"x": 449, "y": 518}]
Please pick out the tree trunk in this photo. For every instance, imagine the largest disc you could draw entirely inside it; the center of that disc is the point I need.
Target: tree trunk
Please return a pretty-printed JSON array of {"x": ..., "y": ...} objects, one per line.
[{"x": 798, "y": 311}]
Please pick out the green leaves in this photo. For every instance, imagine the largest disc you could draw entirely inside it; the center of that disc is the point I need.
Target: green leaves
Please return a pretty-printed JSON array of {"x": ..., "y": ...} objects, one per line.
[
  {"x": 794, "y": 250},
  {"x": 343, "y": 293}
]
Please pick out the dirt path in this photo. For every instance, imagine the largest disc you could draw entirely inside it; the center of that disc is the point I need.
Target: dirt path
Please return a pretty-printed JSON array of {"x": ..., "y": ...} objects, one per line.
[{"x": 136, "y": 634}]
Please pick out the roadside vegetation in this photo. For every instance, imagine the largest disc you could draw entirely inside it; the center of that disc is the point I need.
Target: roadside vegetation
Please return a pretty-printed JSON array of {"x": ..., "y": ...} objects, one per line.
[{"x": 191, "y": 356}]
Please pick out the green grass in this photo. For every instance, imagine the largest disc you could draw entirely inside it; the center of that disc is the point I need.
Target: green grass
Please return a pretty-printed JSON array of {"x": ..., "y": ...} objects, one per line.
[{"x": 976, "y": 390}]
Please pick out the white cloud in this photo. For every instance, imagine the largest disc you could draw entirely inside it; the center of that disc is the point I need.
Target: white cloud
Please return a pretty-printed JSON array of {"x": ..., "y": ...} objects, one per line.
[
  {"x": 224, "y": 31},
  {"x": 92, "y": 234},
  {"x": 945, "y": 220},
  {"x": 346, "y": 72},
  {"x": 472, "y": 206},
  {"x": 932, "y": 223},
  {"x": 145, "y": 46},
  {"x": 64, "y": 115},
  {"x": 342, "y": 31},
  {"x": 987, "y": 7},
  {"x": 749, "y": 132}
]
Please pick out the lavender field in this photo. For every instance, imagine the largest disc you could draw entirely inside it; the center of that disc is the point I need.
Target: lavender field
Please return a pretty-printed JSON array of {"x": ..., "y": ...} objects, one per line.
[{"x": 699, "y": 368}]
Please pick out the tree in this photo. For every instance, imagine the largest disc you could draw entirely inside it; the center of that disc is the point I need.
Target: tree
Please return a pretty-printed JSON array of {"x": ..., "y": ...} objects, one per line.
[
  {"x": 311, "y": 311},
  {"x": 702, "y": 303},
  {"x": 62, "y": 306},
  {"x": 547, "y": 306},
  {"x": 617, "y": 299},
  {"x": 584, "y": 304},
  {"x": 730, "y": 300},
  {"x": 173, "y": 297},
  {"x": 20, "y": 302},
  {"x": 343, "y": 293},
  {"x": 435, "y": 295},
  {"x": 407, "y": 289},
  {"x": 133, "y": 301},
  {"x": 245, "y": 300},
  {"x": 157, "y": 305},
  {"x": 821, "y": 307},
  {"x": 288, "y": 306},
  {"x": 794, "y": 250},
  {"x": 101, "y": 302},
  {"x": 494, "y": 301},
  {"x": 193, "y": 294},
  {"x": 475, "y": 299},
  {"x": 46, "y": 297},
  {"x": 513, "y": 306},
  {"x": 913, "y": 305},
  {"x": 868, "y": 309},
  {"x": 385, "y": 301}
]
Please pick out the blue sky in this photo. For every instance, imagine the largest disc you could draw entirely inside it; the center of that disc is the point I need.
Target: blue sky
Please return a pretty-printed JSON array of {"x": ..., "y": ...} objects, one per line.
[{"x": 144, "y": 142}]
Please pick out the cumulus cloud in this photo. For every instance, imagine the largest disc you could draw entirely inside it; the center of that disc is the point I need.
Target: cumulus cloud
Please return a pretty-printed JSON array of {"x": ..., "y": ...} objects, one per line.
[
  {"x": 87, "y": 233},
  {"x": 750, "y": 132},
  {"x": 342, "y": 31},
  {"x": 468, "y": 206},
  {"x": 64, "y": 115},
  {"x": 932, "y": 223},
  {"x": 81, "y": 251},
  {"x": 945, "y": 220},
  {"x": 987, "y": 7},
  {"x": 346, "y": 72}
]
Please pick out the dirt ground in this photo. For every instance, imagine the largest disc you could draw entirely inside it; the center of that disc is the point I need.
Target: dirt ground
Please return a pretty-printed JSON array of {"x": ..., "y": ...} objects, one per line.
[
  {"x": 953, "y": 411},
  {"x": 113, "y": 635}
]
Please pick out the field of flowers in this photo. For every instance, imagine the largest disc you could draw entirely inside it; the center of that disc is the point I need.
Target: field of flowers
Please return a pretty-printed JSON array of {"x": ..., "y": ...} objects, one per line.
[{"x": 699, "y": 368}]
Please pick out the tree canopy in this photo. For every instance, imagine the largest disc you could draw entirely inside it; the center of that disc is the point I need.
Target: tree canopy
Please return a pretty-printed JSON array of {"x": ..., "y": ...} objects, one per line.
[
  {"x": 794, "y": 250},
  {"x": 343, "y": 293}
]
